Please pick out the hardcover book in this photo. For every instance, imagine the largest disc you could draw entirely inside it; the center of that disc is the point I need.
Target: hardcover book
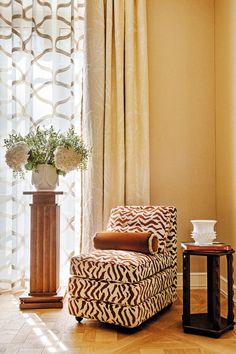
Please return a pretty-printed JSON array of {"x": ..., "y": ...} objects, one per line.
[{"x": 215, "y": 246}]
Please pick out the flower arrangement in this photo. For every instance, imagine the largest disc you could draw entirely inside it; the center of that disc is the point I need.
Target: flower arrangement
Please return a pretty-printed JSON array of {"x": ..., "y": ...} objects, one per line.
[{"x": 65, "y": 151}]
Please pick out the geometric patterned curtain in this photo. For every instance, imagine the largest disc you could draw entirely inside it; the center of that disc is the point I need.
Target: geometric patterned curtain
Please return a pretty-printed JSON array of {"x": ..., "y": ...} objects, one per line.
[{"x": 41, "y": 60}]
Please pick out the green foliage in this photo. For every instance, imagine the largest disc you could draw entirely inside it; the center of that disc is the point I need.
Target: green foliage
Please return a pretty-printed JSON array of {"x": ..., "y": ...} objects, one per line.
[
  {"x": 12, "y": 140},
  {"x": 42, "y": 143}
]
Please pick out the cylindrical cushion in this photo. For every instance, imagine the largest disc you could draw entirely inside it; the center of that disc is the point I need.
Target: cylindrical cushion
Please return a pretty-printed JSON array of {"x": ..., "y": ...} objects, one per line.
[{"x": 144, "y": 242}]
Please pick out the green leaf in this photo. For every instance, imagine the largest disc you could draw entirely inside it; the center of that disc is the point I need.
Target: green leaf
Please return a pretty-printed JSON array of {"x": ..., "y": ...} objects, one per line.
[
  {"x": 29, "y": 166},
  {"x": 61, "y": 173}
]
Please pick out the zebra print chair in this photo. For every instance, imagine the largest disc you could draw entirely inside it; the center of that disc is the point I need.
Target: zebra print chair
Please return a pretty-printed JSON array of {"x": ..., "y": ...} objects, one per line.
[{"x": 123, "y": 287}]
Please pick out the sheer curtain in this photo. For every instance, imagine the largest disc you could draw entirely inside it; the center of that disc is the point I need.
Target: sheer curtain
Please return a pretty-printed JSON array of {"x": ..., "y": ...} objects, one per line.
[{"x": 41, "y": 59}]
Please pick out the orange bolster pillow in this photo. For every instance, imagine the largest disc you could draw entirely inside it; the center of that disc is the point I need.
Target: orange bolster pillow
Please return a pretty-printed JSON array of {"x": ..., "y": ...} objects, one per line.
[{"x": 143, "y": 242}]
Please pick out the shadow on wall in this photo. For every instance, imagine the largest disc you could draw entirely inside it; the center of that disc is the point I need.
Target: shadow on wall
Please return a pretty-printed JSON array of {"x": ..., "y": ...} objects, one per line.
[{"x": 225, "y": 61}]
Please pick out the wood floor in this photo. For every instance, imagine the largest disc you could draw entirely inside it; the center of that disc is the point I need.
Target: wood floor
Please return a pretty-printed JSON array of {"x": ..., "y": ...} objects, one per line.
[{"x": 55, "y": 331}]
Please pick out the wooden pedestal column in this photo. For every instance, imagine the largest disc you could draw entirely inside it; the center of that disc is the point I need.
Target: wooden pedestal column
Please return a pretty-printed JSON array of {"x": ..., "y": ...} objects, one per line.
[{"x": 44, "y": 291}]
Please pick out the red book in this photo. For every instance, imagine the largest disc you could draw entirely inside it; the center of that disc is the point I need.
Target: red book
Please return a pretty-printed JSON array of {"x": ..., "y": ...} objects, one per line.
[{"x": 215, "y": 246}]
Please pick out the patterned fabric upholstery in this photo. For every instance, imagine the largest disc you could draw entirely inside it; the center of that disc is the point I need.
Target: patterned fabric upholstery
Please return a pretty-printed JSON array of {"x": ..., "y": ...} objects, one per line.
[
  {"x": 116, "y": 265},
  {"x": 126, "y": 316},
  {"x": 123, "y": 293},
  {"x": 142, "y": 219},
  {"x": 123, "y": 287}
]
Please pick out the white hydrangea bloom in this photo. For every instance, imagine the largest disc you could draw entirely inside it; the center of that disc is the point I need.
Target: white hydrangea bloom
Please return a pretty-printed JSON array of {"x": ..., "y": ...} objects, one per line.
[
  {"x": 66, "y": 159},
  {"x": 17, "y": 156}
]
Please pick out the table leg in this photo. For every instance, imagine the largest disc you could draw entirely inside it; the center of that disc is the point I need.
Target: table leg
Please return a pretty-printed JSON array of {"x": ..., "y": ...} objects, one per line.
[
  {"x": 213, "y": 291},
  {"x": 209, "y": 287},
  {"x": 186, "y": 289},
  {"x": 230, "y": 317}
]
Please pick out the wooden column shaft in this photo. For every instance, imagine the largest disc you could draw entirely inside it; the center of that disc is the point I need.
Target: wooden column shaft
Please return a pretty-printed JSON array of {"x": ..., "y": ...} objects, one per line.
[
  {"x": 44, "y": 250},
  {"x": 44, "y": 253}
]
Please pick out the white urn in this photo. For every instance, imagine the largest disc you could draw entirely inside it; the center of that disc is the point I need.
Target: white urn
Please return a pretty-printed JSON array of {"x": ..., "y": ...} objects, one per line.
[
  {"x": 45, "y": 178},
  {"x": 203, "y": 231}
]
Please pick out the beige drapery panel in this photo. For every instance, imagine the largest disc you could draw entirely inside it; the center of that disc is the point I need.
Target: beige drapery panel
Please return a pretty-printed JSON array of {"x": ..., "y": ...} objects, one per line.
[{"x": 115, "y": 110}]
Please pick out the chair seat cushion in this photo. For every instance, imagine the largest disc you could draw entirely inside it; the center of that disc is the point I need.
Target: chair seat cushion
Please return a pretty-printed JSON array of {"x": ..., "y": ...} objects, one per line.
[
  {"x": 125, "y": 294},
  {"x": 119, "y": 266}
]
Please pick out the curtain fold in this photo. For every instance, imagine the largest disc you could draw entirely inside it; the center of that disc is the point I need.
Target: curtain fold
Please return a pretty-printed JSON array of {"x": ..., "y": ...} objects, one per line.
[{"x": 115, "y": 110}]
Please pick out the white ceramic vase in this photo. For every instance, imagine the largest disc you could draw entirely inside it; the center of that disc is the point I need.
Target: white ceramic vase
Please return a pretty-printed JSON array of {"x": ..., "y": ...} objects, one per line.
[
  {"x": 203, "y": 231},
  {"x": 46, "y": 178}
]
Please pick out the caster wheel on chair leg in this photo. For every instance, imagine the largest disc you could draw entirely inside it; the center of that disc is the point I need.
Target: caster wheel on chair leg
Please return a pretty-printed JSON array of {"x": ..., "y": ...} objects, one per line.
[{"x": 78, "y": 319}]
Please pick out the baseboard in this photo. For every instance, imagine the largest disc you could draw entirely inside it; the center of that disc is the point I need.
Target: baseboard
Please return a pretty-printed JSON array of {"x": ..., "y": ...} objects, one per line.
[
  {"x": 199, "y": 281},
  {"x": 224, "y": 286}
]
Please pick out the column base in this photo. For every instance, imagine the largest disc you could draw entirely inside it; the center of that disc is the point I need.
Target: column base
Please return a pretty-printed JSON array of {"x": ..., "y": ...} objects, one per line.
[{"x": 43, "y": 302}]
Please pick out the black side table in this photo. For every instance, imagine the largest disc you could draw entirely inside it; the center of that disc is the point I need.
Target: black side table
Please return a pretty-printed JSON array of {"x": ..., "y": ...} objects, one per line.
[{"x": 210, "y": 324}]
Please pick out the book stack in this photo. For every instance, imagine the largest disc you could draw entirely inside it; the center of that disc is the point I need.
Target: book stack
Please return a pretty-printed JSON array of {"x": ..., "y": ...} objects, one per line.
[{"x": 215, "y": 246}]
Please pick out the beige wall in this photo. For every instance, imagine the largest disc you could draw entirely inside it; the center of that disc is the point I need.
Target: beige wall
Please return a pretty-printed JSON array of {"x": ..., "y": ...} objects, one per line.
[
  {"x": 182, "y": 110},
  {"x": 225, "y": 54}
]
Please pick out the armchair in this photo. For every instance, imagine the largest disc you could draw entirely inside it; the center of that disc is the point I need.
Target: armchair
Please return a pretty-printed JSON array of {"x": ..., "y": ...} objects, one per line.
[{"x": 125, "y": 287}]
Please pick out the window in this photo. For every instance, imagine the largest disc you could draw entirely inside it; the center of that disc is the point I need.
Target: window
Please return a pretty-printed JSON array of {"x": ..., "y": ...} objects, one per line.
[{"x": 41, "y": 60}]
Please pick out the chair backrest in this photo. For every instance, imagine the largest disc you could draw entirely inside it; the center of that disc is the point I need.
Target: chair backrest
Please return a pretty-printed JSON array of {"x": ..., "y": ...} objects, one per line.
[{"x": 159, "y": 220}]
